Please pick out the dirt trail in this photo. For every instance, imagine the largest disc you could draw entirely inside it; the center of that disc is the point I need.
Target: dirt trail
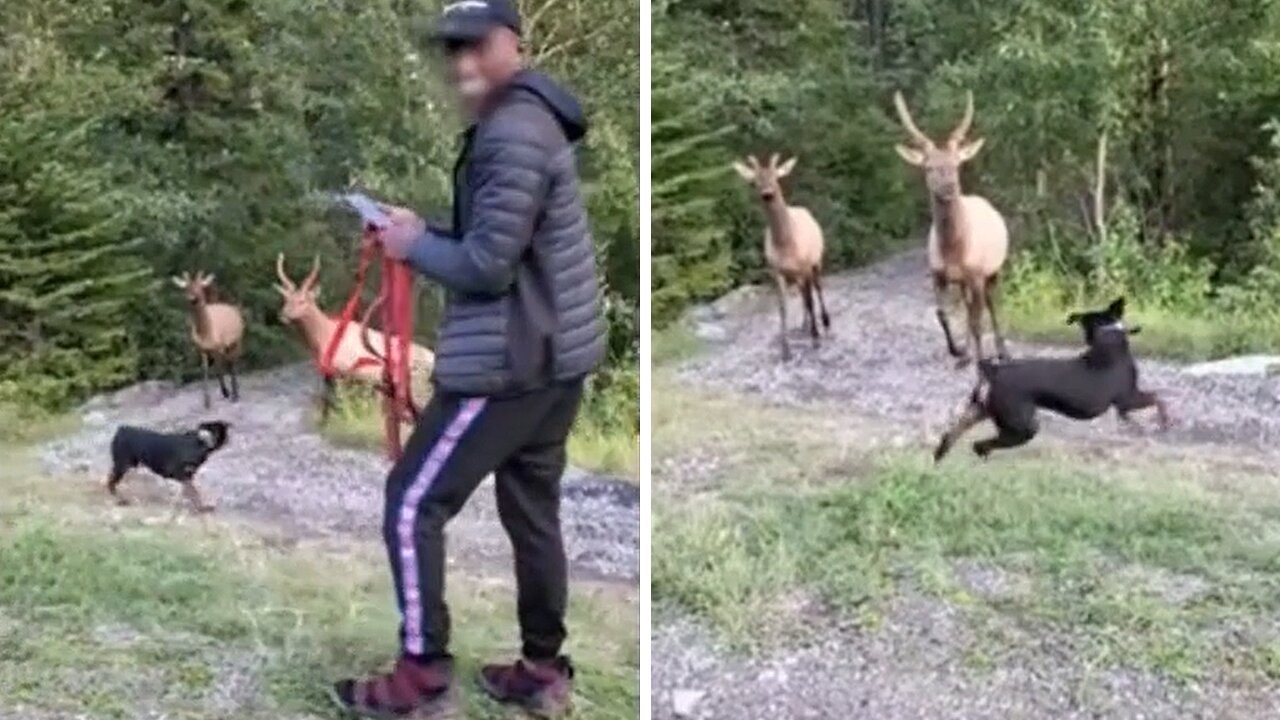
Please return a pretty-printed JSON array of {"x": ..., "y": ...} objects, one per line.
[
  {"x": 886, "y": 362},
  {"x": 886, "y": 358},
  {"x": 279, "y": 471}
]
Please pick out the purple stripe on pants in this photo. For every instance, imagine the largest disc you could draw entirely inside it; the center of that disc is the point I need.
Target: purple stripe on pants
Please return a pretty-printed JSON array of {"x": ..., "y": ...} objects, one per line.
[{"x": 413, "y": 640}]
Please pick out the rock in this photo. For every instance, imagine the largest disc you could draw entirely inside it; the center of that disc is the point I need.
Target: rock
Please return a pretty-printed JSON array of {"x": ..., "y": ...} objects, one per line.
[
  {"x": 710, "y": 332},
  {"x": 141, "y": 394},
  {"x": 684, "y": 702},
  {"x": 1244, "y": 365}
]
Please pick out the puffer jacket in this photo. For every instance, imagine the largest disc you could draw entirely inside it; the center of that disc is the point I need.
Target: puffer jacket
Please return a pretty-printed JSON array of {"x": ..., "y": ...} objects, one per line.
[{"x": 524, "y": 300}]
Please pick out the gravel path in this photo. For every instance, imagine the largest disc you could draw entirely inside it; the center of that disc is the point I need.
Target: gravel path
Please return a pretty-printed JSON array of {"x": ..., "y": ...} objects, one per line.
[
  {"x": 278, "y": 470},
  {"x": 886, "y": 359},
  {"x": 915, "y": 667}
]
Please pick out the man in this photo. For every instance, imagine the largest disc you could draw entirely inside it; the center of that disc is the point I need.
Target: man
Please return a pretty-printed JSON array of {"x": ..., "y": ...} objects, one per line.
[{"x": 522, "y": 328}]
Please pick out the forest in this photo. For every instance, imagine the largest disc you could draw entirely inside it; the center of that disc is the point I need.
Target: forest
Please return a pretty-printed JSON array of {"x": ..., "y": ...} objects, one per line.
[
  {"x": 1132, "y": 145},
  {"x": 143, "y": 138}
]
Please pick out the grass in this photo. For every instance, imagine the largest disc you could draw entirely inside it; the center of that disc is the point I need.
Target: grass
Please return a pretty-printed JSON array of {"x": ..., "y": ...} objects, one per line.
[
  {"x": 1168, "y": 334},
  {"x": 114, "y": 614},
  {"x": 21, "y": 424},
  {"x": 1154, "y": 563},
  {"x": 356, "y": 421}
]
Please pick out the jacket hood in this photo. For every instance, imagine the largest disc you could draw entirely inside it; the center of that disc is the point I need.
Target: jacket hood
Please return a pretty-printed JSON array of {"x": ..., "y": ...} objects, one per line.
[{"x": 563, "y": 105}]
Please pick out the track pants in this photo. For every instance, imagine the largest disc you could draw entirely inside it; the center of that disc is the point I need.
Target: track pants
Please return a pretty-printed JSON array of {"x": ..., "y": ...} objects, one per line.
[{"x": 457, "y": 442}]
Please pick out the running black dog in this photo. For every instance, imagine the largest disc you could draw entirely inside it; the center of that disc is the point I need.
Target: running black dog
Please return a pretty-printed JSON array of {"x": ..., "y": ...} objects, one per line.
[
  {"x": 1081, "y": 388},
  {"x": 176, "y": 456}
]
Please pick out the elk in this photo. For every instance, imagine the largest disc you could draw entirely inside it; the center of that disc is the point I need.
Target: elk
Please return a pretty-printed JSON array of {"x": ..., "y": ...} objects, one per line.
[
  {"x": 217, "y": 329},
  {"x": 352, "y": 357},
  {"x": 793, "y": 244},
  {"x": 968, "y": 240}
]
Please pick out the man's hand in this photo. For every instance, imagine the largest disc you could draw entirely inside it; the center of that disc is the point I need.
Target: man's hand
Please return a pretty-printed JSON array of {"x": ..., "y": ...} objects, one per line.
[{"x": 405, "y": 229}]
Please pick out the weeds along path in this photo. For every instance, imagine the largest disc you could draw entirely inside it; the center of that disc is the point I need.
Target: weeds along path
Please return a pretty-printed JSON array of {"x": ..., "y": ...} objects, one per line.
[
  {"x": 278, "y": 470},
  {"x": 886, "y": 358},
  {"x": 811, "y": 562}
]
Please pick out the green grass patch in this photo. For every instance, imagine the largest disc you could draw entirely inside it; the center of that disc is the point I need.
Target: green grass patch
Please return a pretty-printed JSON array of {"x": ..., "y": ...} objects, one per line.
[
  {"x": 199, "y": 608},
  {"x": 1073, "y": 536},
  {"x": 1185, "y": 312},
  {"x": 25, "y": 424},
  {"x": 595, "y": 444},
  {"x": 1176, "y": 334},
  {"x": 674, "y": 343}
]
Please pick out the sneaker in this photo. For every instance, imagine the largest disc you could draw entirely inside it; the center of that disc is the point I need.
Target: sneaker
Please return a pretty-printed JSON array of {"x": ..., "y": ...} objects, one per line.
[
  {"x": 410, "y": 690},
  {"x": 543, "y": 689}
]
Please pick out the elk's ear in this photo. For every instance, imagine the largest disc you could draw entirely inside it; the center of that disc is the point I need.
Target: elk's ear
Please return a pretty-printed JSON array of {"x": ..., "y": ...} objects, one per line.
[
  {"x": 178, "y": 282},
  {"x": 207, "y": 281},
  {"x": 744, "y": 172},
  {"x": 910, "y": 154},
  {"x": 786, "y": 167},
  {"x": 969, "y": 149},
  {"x": 1116, "y": 307}
]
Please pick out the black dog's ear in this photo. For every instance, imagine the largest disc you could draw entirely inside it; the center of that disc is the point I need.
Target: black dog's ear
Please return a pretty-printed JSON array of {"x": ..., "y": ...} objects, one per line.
[
  {"x": 1116, "y": 307},
  {"x": 1074, "y": 318}
]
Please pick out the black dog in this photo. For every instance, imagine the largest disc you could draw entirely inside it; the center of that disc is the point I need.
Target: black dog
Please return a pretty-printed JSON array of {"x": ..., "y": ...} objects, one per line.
[
  {"x": 176, "y": 456},
  {"x": 1081, "y": 388}
]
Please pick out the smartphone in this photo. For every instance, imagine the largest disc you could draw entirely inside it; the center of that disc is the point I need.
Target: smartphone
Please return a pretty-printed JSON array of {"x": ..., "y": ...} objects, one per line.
[{"x": 370, "y": 213}]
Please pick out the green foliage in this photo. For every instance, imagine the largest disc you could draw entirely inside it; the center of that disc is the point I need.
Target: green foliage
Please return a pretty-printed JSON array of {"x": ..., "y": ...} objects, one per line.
[
  {"x": 1180, "y": 95},
  {"x": 190, "y": 134}
]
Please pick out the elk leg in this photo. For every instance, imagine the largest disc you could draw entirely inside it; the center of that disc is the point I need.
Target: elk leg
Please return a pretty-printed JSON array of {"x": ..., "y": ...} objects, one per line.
[
  {"x": 1141, "y": 399},
  {"x": 973, "y": 414},
  {"x": 222, "y": 378},
  {"x": 993, "y": 283},
  {"x": 822, "y": 302},
  {"x": 235, "y": 381},
  {"x": 940, "y": 301},
  {"x": 810, "y": 320},
  {"x": 973, "y": 302},
  {"x": 326, "y": 400},
  {"x": 204, "y": 384},
  {"x": 782, "y": 316}
]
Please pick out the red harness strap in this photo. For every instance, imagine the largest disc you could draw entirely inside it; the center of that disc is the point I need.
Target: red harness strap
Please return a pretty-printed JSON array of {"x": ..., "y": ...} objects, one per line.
[{"x": 396, "y": 302}]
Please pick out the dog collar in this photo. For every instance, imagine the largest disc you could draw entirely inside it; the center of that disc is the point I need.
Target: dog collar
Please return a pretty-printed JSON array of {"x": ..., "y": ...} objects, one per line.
[{"x": 1117, "y": 325}]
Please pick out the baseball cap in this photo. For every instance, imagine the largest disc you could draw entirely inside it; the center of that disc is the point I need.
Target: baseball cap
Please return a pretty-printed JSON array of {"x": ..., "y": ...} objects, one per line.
[{"x": 473, "y": 19}]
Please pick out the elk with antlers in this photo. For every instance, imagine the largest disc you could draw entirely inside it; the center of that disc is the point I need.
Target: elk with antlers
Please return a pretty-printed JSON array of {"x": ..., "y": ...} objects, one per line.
[
  {"x": 793, "y": 244},
  {"x": 968, "y": 240},
  {"x": 355, "y": 355},
  {"x": 217, "y": 329}
]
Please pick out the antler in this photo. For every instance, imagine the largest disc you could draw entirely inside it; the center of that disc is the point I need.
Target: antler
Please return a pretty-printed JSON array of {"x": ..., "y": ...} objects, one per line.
[
  {"x": 905, "y": 116},
  {"x": 963, "y": 128},
  {"x": 755, "y": 164},
  {"x": 284, "y": 279},
  {"x": 310, "y": 282}
]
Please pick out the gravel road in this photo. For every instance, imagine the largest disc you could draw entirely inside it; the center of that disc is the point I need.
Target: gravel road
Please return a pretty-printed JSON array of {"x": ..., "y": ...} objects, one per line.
[
  {"x": 278, "y": 470},
  {"x": 886, "y": 359}
]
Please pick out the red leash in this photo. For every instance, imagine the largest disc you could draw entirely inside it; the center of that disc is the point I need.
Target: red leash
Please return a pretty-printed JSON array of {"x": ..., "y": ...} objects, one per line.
[{"x": 397, "y": 333}]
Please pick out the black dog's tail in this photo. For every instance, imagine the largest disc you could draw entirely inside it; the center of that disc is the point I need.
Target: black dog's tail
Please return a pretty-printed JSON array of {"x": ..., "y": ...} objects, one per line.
[{"x": 987, "y": 369}]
